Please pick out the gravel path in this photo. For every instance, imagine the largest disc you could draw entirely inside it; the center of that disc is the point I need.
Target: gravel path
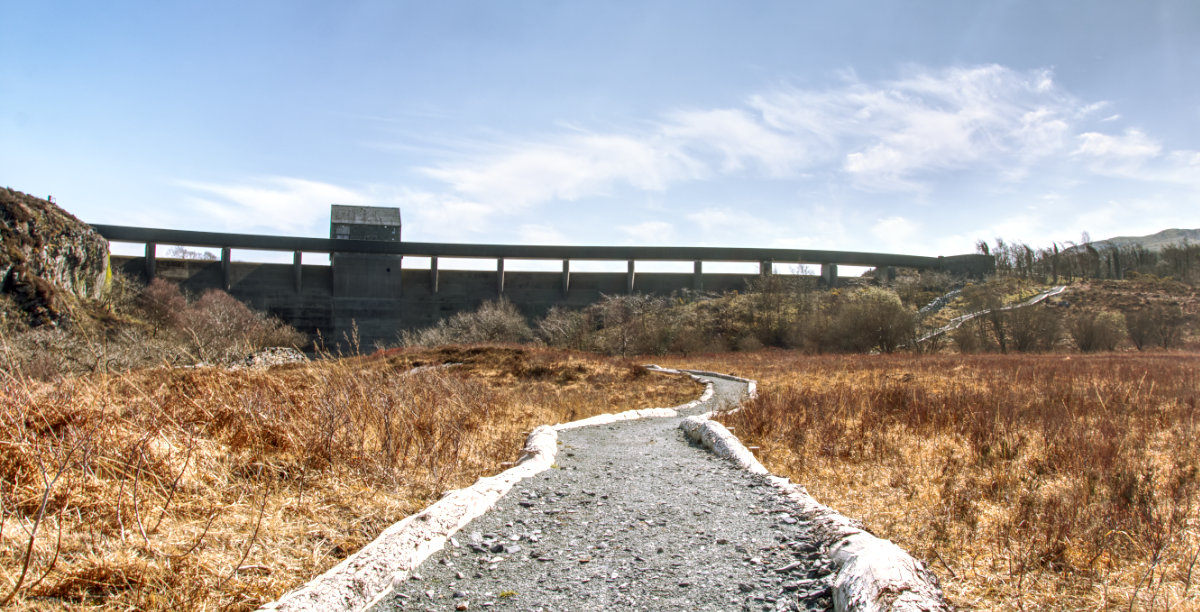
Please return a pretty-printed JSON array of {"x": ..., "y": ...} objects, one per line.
[{"x": 632, "y": 516}]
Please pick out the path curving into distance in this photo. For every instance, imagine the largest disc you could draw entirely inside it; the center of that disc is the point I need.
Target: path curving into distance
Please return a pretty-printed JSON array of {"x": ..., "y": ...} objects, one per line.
[
  {"x": 957, "y": 322},
  {"x": 637, "y": 514}
]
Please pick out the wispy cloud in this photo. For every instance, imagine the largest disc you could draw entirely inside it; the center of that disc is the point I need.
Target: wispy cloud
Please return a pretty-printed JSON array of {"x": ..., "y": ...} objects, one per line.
[
  {"x": 649, "y": 232},
  {"x": 1134, "y": 155},
  {"x": 731, "y": 227},
  {"x": 567, "y": 168},
  {"x": 537, "y": 233},
  {"x": 738, "y": 138},
  {"x": 895, "y": 233},
  {"x": 280, "y": 204},
  {"x": 889, "y": 135},
  {"x": 1131, "y": 144},
  {"x": 913, "y": 134}
]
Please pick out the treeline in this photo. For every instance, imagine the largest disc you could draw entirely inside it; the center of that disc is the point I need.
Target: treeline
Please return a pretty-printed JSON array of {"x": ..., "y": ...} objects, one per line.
[{"x": 1064, "y": 262}]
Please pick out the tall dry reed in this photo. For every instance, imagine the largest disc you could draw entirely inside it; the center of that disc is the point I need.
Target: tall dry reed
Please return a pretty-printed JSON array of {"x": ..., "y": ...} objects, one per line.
[
  {"x": 1025, "y": 481},
  {"x": 204, "y": 488}
]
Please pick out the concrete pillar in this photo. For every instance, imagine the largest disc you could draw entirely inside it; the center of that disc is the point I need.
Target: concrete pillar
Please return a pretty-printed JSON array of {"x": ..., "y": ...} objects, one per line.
[
  {"x": 698, "y": 276},
  {"x": 151, "y": 250},
  {"x": 890, "y": 274},
  {"x": 226, "y": 256},
  {"x": 433, "y": 275},
  {"x": 629, "y": 279},
  {"x": 829, "y": 274},
  {"x": 566, "y": 277},
  {"x": 500, "y": 276},
  {"x": 766, "y": 267},
  {"x": 298, "y": 270}
]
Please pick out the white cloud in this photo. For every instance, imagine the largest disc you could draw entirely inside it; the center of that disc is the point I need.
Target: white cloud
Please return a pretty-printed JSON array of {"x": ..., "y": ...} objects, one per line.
[
  {"x": 909, "y": 134},
  {"x": 576, "y": 166},
  {"x": 280, "y": 204},
  {"x": 986, "y": 116},
  {"x": 1134, "y": 155},
  {"x": 895, "y": 233},
  {"x": 891, "y": 135},
  {"x": 1133, "y": 144},
  {"x": 739, "y": 137},
  {"x": 294, "y": 206},
  {"x": 649, "y": 232},
  {"x": 536, "y": 233},
  {"x": 447, "y": 217},
  {"x": 732, "y": 227}
]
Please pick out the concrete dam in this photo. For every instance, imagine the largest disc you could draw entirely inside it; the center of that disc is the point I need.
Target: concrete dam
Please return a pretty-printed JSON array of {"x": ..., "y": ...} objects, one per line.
[{"x": 366, "y": 286}]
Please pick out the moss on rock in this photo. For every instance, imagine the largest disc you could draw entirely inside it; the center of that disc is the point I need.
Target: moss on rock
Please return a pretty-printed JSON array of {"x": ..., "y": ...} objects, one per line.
[{"x": 48, "y": 258}]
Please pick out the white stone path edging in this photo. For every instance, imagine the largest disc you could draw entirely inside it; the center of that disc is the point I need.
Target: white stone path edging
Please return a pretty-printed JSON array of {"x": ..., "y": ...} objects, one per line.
[
  {"x": 957, "y": 322},
  {"x": 872, "y": 573},
  {"x": 368, "y": 575}
]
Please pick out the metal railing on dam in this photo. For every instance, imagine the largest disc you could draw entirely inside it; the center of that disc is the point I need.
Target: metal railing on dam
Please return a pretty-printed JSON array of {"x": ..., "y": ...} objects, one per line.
[{"x": 365, "y": 287}]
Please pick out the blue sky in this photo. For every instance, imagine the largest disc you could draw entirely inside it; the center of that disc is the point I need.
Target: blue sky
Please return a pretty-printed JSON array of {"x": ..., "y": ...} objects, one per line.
[{"x": 876, "y": 126}]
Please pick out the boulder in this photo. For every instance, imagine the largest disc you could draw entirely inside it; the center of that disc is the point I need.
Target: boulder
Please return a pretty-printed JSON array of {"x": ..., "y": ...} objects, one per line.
[{"x": 48, "y": 258}]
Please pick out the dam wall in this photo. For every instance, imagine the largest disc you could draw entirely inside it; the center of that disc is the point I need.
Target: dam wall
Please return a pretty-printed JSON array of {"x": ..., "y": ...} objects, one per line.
[
  {"x": 313, "y": 305},
  {"x": 366, "y": 287}
]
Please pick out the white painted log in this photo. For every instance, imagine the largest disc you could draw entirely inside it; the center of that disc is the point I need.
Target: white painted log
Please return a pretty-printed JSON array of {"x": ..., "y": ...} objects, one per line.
[
  {"x": 872, "y": 573},
  {"x": 875, "y": 574}
]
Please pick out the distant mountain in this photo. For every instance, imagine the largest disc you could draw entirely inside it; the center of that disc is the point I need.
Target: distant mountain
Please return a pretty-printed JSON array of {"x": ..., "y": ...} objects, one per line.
[{"x": 1153, "y": 242}]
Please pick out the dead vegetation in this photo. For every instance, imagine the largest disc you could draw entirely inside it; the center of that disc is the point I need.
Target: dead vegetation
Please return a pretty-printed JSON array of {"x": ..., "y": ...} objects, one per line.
[
  {"x": 207, "y": 488},
  {"x": 1031, "y": 481}
]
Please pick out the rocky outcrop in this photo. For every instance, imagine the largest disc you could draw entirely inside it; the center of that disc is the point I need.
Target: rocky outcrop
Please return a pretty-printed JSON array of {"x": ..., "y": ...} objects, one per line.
[{"x": 48, "y": 258}]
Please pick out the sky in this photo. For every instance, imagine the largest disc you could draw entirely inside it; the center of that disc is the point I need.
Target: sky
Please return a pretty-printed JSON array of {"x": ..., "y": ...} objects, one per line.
[{"x": 907, "y": 127}]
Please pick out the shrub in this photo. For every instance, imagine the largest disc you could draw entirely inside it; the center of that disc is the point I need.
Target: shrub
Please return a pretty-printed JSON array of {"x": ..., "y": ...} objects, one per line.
[
  {"x": 563, "y": 328},
  {"x": 968, "y": 337},
  {"x": 494, "y": 321},
  {"x": 634, "y": 324},
  {"x": 989, "y": 296},
  {"x": 1033, "y": 328},
  {"x": 1155, "y": 325},
  {"x": 872, "y": 318},
  {"x": 163, "y": 304},
  {"x": 222, "y": 329},
  {"x": 1098, "y": 330}
]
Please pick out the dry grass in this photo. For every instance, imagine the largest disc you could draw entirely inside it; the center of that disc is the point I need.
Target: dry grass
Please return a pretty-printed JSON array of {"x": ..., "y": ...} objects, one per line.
[
  {"x": 208, "y": 488},
  {"x": 1050, "y": 481}
]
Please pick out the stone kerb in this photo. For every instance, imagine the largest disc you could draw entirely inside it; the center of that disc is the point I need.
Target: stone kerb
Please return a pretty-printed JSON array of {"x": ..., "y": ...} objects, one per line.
[
  {"x": 368, "y": 575},
  {"x": 873, "y": 573}
]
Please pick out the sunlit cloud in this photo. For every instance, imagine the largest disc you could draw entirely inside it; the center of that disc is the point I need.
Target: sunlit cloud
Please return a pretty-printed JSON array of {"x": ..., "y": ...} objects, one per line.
[
  {"x": 649, "y": 232},
  {"x": 538, "y": 233},
  {"x": 895, "y": 135},
  {"x": 1131, "y": 144},
  {"x": 983, "y": 129},
  {"x": 895, "y": 233},
  {"x": 278, "y": 204},
  {"x": 739, "y": 138},
  {"x": 574, "y": 167}
]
